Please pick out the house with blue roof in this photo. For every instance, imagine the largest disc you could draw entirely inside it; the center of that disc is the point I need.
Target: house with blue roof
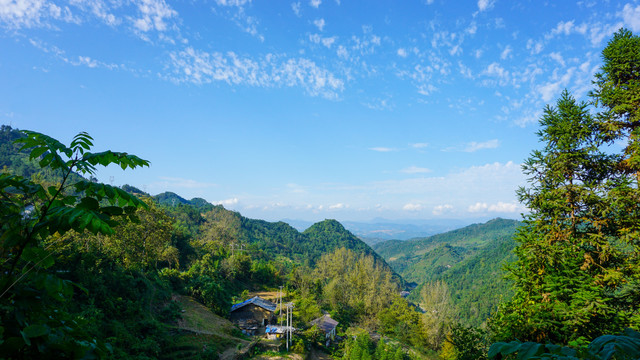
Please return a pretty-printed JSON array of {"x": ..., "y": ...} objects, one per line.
[{"x": 252, "y": 315}]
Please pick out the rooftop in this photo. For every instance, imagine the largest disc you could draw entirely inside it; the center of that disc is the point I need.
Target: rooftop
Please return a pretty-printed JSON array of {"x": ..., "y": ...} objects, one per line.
[{"x": 258, "y": 301}]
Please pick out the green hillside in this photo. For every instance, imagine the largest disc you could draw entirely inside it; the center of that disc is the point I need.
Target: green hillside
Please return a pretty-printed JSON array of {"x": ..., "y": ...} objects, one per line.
[
  {"x": 468, "y": 260},
  {"x": 268, "y": 240},
  {"x": 411, "y": 257}
]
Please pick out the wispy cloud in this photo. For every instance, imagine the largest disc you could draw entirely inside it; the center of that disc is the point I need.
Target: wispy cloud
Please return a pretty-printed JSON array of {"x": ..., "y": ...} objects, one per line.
[
  {"x": 227, "y": 202},
  {"x": 19, "y": 14},
  {"x": 315, "y": 3},
  {"x": 506, "y": 52},
  {"x": 412, "y": 207},
  {"x": 198, "y": 67},
  {"x": 419, "y": 145},
  {"x": 296, "y": 6},
  {"x": 319, "y": 23},
  {"x": 382, "y": 149},
  {"x": 415, "y": 170},
  {"x": 499, "y": 207},
  {"x": 631, "y": 17},
  {"x": 442, "y": 209},
  {"x": 475, "y": 146},
  {"x": 484, "y": 5}
]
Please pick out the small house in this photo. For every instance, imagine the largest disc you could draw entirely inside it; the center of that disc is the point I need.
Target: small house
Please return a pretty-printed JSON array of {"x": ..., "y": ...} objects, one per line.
[
  {"x": 253, "y": 314},
  {"x": 328, "y": 326}
]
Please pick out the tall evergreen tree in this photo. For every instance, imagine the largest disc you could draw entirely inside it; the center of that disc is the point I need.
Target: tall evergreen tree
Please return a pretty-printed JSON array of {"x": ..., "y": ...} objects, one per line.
[
  {"x": 617, "y": 91},
  {"x": 577, "y": 272}
]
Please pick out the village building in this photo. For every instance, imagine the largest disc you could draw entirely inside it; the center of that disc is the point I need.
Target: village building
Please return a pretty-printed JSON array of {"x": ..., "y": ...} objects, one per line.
[
  {"x": 276, "y": 331},
  {"x": 253, "y": 314},
  {"x": 328, "y": 326}
]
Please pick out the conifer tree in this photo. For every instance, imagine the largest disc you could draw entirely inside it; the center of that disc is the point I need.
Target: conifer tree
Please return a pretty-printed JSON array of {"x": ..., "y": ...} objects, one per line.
[{"x": 577, "y": 272}]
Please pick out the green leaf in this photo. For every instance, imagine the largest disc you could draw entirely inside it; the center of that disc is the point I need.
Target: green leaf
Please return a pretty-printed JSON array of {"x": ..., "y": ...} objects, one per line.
[
  {"x": 88, "y": 203},
  {"x": 112, "y": 210},
  {"x": 37, "y": 152},
  {"x": 36, "y": 330},
  {"x": 528, "y": 350},
  {"x": 38, "y": 256}
]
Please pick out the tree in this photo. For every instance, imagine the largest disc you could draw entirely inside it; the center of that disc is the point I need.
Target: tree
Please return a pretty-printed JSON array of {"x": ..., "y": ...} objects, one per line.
[
  {"x": 617, "y": 92},
  {"x": 32, "y": 324},
  {"x": 564, "y": 253},
  {"x": 577, "y": 274},
  {"x": 437, "y": 306}
]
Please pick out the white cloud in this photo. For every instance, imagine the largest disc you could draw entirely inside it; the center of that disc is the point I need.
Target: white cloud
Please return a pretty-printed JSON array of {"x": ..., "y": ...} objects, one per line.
[
  {"x": 598, "y": 32},
  {"x": 553, "y": 87},
  {"x": 441, "y": 209},
  {"x": 328, "y": 41},
  {"x": 475, "y": 146},
  {"x": 415, "y": 170},
  {"x": 319, "y": 23},
  {"x": 153, "y": 15},
  {"x": 503, "y": 207},
  {"x": 325, "y": 41},
  {"x": 342, "y": 52},
  {"x": 485, "y": 4},
  {"x": 558, "y": 58},
  {"x": 237, "y": 3},
  {"x": 472, "y": 29},
  {"x": 568, "y": 28},
  {"x": 478, "y": 207},
  {"x": 315, "y": 3},
  {"x": 412, "y": 207},
  {"x": 402, "y": 53},
  {"x": 419, "y": 145},
  {"x": 16, "y": 14},
  {"x": 195, "y": 66},
  {"x": 296, "y": 8},
  {"x": 499, "y": 207},
  {"x": 535, "y": 47},
  {"x": 631, "y": 17},
  {"x": 496, "y": 71},
  {"x": 382, "y": 149},
  {"x": 227, "y": 202},
  {"x": 337, "y": 206},
  {"x": 506, "y": 52},
  {"x": 99, "y": 9}
]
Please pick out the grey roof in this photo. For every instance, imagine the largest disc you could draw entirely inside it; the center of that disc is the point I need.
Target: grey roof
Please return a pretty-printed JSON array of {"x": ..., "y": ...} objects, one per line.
[
  {"x": 258, "y": 301},
  {"x": 325, "y": 323}
]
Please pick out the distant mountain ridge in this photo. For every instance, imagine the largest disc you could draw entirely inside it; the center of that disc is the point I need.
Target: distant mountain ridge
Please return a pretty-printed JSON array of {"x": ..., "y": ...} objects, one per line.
[{"x": 380, "y": 230}]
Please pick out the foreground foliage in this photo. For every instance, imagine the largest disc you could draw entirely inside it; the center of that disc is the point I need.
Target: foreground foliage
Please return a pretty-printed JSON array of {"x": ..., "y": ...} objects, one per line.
[
  {"x": 620, "y": 347},
  {"x": 34, "y": 319}
]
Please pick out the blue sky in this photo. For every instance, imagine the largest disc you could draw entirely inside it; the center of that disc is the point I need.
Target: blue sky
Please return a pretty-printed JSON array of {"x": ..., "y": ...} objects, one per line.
[{"x": 307, "y": 109}]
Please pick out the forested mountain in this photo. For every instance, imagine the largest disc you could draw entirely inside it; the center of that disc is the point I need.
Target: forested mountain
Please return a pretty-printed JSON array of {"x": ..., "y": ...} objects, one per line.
[
  {"x": 412, "y": 258},
  {"x": 269, "y": 240},
  {"x": 468, "y": 260},
  {"x": 173, "y": 199}
]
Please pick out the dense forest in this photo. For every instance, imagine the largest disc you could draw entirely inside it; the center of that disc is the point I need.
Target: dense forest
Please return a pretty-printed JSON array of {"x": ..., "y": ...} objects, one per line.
[
  {"x": 90, "y": 270},
  {"x": 468, "y": 260}
]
